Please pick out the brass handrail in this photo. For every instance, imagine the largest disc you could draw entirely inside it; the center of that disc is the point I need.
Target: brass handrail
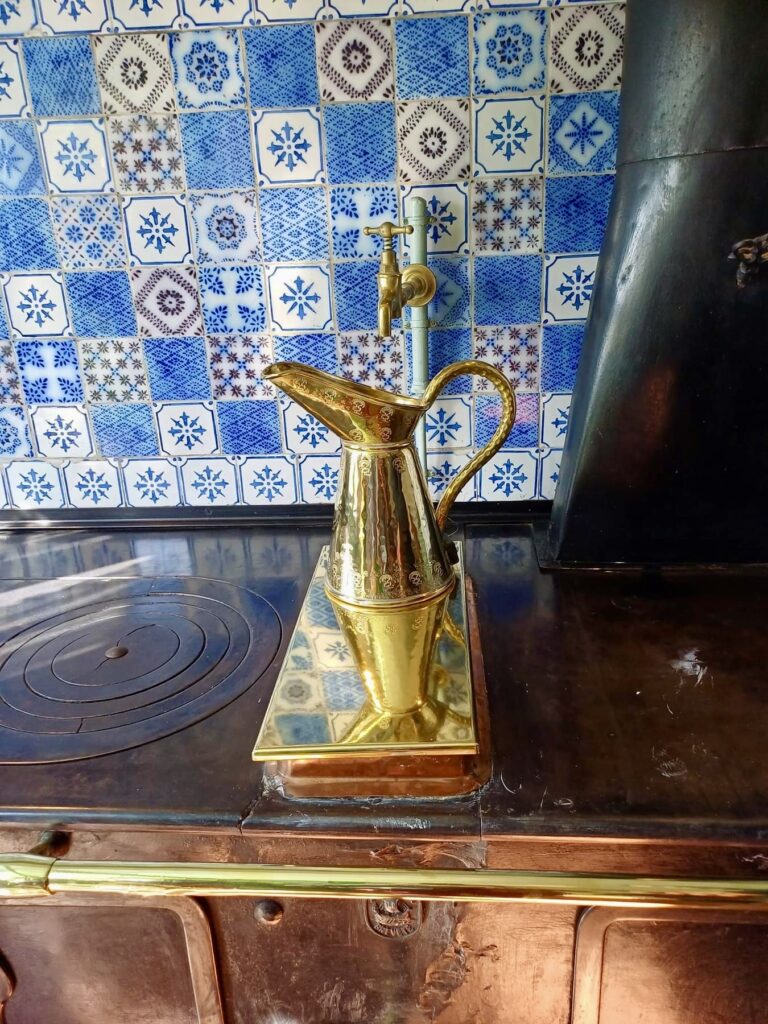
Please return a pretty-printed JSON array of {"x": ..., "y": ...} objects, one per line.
[{"x": 23, "y": 875}]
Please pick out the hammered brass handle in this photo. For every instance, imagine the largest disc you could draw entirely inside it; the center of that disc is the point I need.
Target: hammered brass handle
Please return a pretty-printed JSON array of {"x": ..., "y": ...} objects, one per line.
[{"x": 507, "y": 418}]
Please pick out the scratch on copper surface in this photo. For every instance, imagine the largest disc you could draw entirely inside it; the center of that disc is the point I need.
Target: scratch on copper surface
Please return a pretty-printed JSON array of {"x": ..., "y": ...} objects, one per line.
[
  {"x": 668, "y": 765},
  {"x": 338, "y": 1006},
  {"x": 688, "y": 666}
]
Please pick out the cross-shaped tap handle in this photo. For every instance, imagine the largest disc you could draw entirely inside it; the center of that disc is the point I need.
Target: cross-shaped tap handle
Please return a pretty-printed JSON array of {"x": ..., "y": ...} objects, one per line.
[{"x": 388, "y": 230}]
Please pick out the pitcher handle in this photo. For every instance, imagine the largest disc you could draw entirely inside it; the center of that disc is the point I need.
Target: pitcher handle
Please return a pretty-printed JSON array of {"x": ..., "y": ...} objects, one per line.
[{"x": 508, "y": 412}]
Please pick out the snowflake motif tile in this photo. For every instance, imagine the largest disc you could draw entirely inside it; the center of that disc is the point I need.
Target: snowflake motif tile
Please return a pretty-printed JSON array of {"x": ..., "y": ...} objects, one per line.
[
  {"x": 26, "y": 237},
  {"x": 432, "y": 57},
  {"x": 49, "y": 371},
  {"x": 101, "y": 304},
  {"x": 113, "y": 370},
  {"x": 92, "y": 484},
  {"x": 10, "y": 384},
  {"x": 134, "y": 73},
  {"x": 448, "y": 424},
  {"x": 146, "y": 153},
  {"x": 233, "y": 299},
  {"x": 14, "y": 436},
  {"x": 524, "y": 432},
  {"x": 433, "y": 139},
  {"x": 319, "y": 478},
  {"x": 209, "y": 482},
  {"x": 206, "y": 13},
  {"x": 88, "y": 231},
  {"x": 249, "y": 428},
  {"x": 509, "y": 476},
  {"x": 507, "y": 289},
  {"x": 368, "y": 359},
  {"x": 217, "y": 149},
  {"x": 186, "y": 428},
  {"x": 299, "y": 298},
  {"x": 446, "y": 347},
  {"x": 61, "y": 16},
  {"x": 236, "y": 364},
  {"x": 294, "y": 223},
  {"x": 126, "y": 429},
  {"x": 14, "y": 101},
  {"x": 550, "y": 473},
  {"x": 61, "y": 430},
  {"x": 354, "y": 60},
  {"x": 354, "y": 207},
  {"x": 510, "y": 51},
  {"x": 17, "y": 17},
  {"x": 555, "y": 414},
  {"x": 450, "y": 305},
  {"x": 583, "y": 132},
  {"x": 509, "y": 136},
  {"x": 34, "y": 485},
  {"x": 318, "y": 350},
  {"x": 513, "y": 350},
  {"x": 304, "y": 434},
  {"x": 442, "y": 467},
  {"x": 156, "y": 230},
  {"x": 177, "y": 368},
  {"x": 275, "y": 81},
  {"x": 447, "y": 207},
  {"x": 356, "y": 295},
  {"x": 288, "y": 147},
  {"x": 151, "y": 483},
  {"x": 507, "y": 214},
  {"x": 586, "y": 48},
  {"x": 224, "y": 226},
  {"x": 20, "y": 168},
  {"x": 207, "y": 69},
  {"x": 167, "y": 301},
  {"x": 268, "y": 482},
  {"x": 576, "y": 212},
  {"x": 61, "y": 76},
  {"x": 360, "y": 140},
  {"x": 288, "y": 10},
  {"x": 36, "y": 305},
  {"x": 568, "y": 285},
  {"x": 75, "y": 155},
  {"x": 561, "y": 351},
  {"x": 144, "y": 14},
  {"x": 357, "y": 8}
]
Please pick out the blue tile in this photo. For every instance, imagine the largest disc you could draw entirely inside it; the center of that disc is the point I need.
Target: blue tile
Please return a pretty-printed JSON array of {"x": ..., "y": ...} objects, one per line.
[
  {"x": 26, "y": 238},
  {"x": 450, "y": 305},
  {"x": 356, "y": 293},
  {"x": 561, "y": 350},
  {"x": 14, "y": 433},
  {"x": 583, "y": 131},
  {"x": 89, "y": 231},
  {"x": 274, "y": 80},
  {"x": 4, "y": 333},
  {"x": 354, "y": 207},
  {"x": 295, "y": 728},
  {"x": 510, "y": 51},
  {"x": 49, "y": 372},
  {"x": 507, "y": 290},
  {"x": 446, "y": 347},
  {"x": 62, "y": 76},
  {"x": 217, "y": 149},
  {"x": 177, "y": 368},
  {"x": 249, "y": 428},
  {"x": 125, "y": 429},
  {"x": 524, "y": 432},
  {"x": 294, "y": 223},
  {"x": 576, "y": 212},
  {"x": 21, "y": 172},
  {"x": 101, "y": 304},
  {"x": 318, "y": 350},
  {"x": 207, "y": 70},
  {"x": 343, "y": 688},
  {"x": 233, "y": 299},
  {"x": 432, "y": 57},
  {"x": 360, "y": 139}
]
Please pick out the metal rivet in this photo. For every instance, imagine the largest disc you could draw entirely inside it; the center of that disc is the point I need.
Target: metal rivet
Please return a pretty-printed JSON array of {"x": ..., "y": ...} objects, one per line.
[{"x": 268, "y": 912}]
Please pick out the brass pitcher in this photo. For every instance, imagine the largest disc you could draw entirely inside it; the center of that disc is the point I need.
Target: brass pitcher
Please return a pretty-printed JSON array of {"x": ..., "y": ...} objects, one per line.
[{"x": 390, "y": 571}]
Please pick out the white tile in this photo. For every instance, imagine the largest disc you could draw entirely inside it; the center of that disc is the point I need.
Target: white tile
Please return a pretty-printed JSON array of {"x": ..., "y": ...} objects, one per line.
[
  {"x": 93, "y": 484},
  {"x": 448, "y": 206},
  {"x": 550, "y": 473},
  {"x": 143, "y": 14},
  {"x": 509, "y": 135},
  {"x": 209, "y": 482},
  {"x": 304, "y": 434},
  {"x": 568, "y": 284},
  {"x": 299, "y": 298},
  {"x": 363, "y": 8},
  {"x": 509, "y": 476},
  {"x": 61, "y": 431},
  {"x": 156, "y": 230},
  {"x": 442, "y": 467},
  {"x": 151, "y": 483},
  {"x": 288, "y": 146},
  {"x": 74, "y": 15},
  {"x": 36, "y": 305},
  {"x": 268, "y": 481},
  {"x": 186, "y": 428},
  {"x": 288, "y": 10},
  {"x": 75, "y": 154},
  {"x": 14, "y": 101},
  {"x": 211, "y": 13},
  {"x": 319, "y": 478},
  {"x": 34, "y": 485},
  {"x": 555, "y": 414},
  {"x": 448, "y": 424}
]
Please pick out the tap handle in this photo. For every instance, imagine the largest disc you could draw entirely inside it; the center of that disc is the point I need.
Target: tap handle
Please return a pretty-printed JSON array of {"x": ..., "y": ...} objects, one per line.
[{"x": 388, "y": 230}]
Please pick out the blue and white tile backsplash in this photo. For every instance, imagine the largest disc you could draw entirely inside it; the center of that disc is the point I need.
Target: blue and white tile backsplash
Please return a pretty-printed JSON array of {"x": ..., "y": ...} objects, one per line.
[{"x": 183, "y": 187}]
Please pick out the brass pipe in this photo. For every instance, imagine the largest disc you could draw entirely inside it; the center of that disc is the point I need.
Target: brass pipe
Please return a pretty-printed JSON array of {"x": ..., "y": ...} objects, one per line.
[{"x": 31, "y": 875}]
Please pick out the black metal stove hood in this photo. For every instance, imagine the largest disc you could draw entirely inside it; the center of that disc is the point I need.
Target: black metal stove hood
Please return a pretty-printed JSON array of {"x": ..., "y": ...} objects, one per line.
[{"x": 667, "y": 454}]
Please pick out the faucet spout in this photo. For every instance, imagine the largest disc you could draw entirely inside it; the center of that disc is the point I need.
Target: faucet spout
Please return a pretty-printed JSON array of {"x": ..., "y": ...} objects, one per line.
[{"x": 415, "y": 286}]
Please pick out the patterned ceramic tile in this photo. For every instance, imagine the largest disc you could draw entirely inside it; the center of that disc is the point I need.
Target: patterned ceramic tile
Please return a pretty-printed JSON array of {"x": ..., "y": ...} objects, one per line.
[
  {"x": 101, "y": 304},
  {"x": 275, "y": 81},
  {"x": 26, "y": 237},
  {"x": 17, "y": 16},
  {"x": 447, "y": 207},
  {"x": 167, "y": 301},
  {"x": 36, "y": 305},
  {"x": 61, "y": 430},
  {"x": 61, "y": 76},
  {"x": 14, "y": 435},
  {"x": 237, "y": 362},
  {"x": 442, "y": 467},
  {"x": 360, "y": 140},
  {"x": 509, "y": 476},
  {"x": 205, "y": 13},
  {"x": 113, "y": 370},
  {"x": 354, "y": 60},
  {"x": 89, "y": 232},
  {"x": 146, "y": 152},
  {"x": 524, "y": 432},
  {"x": 233, "y": 299},
  {"x": 225, "y": 226},
  {"x": 156, "y": 230},
  {"x": 576, "y": 212},
  {"x": 356, "y": 296},
  {"x": 217, "y": 149},
  {"x": 92, "y": 484},
  {"x": 208, "y": 69},
  {"x": 61, "y": 16},
  {"x": 352, "y": 208},
  {"x": 49, "y": 372},
  {"x": 125, "y": 429},
  {"x": 561, "y": 350},
  {"x": 299, "y": 298},
  {"x": 450, "y": 305},
  {"x": 145, "y": 14},
  {"x": 510, "y": 51},
  {"x": 75, "y": 154},
  {"x": 34, "y": 485},
  {"x": 10, "y": 385},
  {"x": 288, "y": 146},
  {"x": 151, "y": 483},
  {"x": 583, "y": 132},
  {"x": 507, "y": 214},
  {"x": 186, "y": 428},
  {"x": 507, "y": 289},
  {"x": 450, "y": 346},
  {"x": 368, "y": 359},
  {"x": 304, "y": 434},
  {"x": 509, "y": 136},
  {"x": 288, "y": 10},
  {"x": 358, "y": 8},
  {"x": 209, "y": 482},
  {"x": 134, "y": 73},
  {"x": 568, "y": 284},
  {"x": 433, "y": 140},
  {"x": 555, "y": 414},
  {"x": 432, "y": 57},
  {"x": 269, "y": 482},
  {"x": 294, "y": 223},
  {"x": 319, "y": 478},
  {"x": 178, "y": 369},
  {"x": 14, "y": 99},
  {"x": 448, "y": 424},
  {"x": 550, "y": 473},
  {"x": 513, "y": 350},
  {"x": 586, "y": 48},
  {"x": 249, "y": 428},
  {"x": 318, "y": 350},
  {"x": 20, "y": 169}
]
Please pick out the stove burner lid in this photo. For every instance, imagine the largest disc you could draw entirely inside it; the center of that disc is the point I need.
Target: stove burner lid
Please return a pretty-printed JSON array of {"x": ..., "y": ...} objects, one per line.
[{"x": 126, "y": 662}]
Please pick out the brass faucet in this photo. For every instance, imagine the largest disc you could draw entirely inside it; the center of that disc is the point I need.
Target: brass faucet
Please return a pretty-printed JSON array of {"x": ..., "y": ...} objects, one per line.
[{"x": 414, "y": 286}]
